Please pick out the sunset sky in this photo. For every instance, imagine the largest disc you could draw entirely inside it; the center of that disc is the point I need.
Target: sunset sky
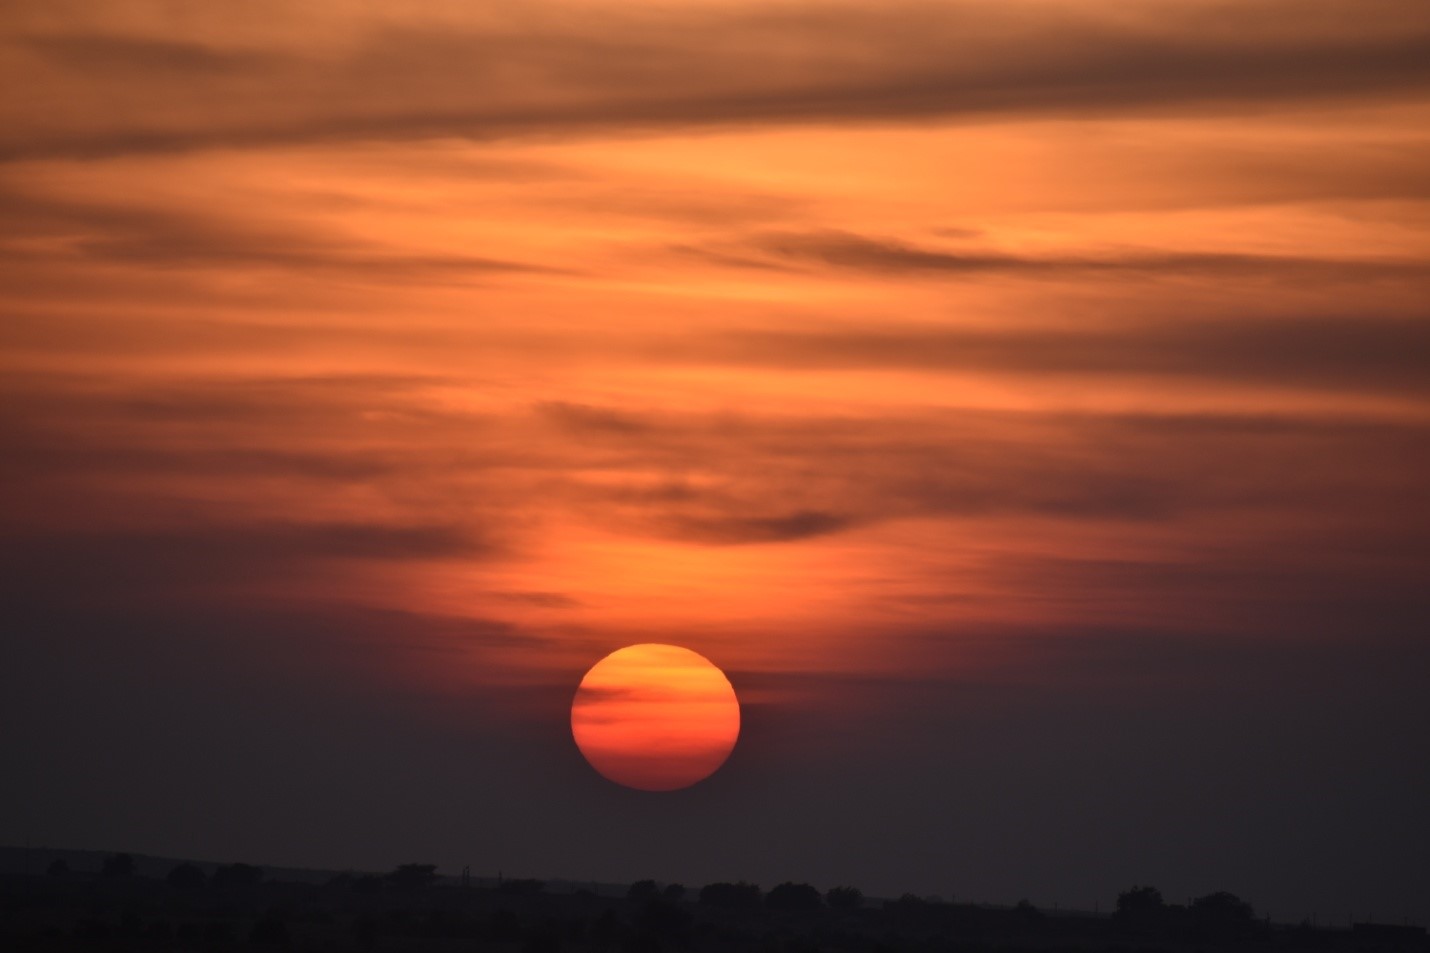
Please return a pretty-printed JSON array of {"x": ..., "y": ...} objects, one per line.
[{"x": 1026, "y": 404}]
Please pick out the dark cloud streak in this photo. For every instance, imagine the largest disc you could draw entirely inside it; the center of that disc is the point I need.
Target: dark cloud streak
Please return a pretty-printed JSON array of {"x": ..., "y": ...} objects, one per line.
[
  {"x": 117, "y": 234},
  {"x": 1351, "y": 353},
  {"x": 624, "y": 73},
  {"x": 871, "y": 255}
]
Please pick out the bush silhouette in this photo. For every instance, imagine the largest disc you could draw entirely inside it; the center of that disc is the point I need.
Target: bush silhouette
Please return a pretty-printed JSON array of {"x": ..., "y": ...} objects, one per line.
[
  {"x": 118, "y": 865},
  {"x": 59, "y": 867},
  {"x": 413, "y": 876},
  {"x": 1138, "y": 900},
  {"x": 237, "y": 875},
  {"x": 730, "y": 896},
  {"x": 844, "y": 898},
  {"x": 367, "y": 883},
  {"x": 1026, "y": 913},
  {"x": 673, "y": 892},
  {"x": 793, "y": 896},
  {"x": 642, "y": 890},
  {"x": 1140, "y": 903},
  {"x": 915, "y": 909},
  {"x": 186, "y": 877}
]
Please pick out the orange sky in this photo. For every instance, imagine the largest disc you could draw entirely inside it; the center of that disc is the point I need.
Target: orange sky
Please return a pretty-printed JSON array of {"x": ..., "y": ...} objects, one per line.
[{"x": 829, "y": 340}]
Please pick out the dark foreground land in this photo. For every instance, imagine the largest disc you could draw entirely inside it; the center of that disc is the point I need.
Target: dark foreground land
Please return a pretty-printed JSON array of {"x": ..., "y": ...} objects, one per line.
[{"x": 121, "y": 905}]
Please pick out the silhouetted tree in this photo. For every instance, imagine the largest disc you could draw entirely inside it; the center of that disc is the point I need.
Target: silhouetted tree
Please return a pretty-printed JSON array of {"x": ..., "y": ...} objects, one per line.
[
  {"x": 1139, "y": 902},
  {"x": 237, "y": 875},
  {"x": 924, "y": 912},
  {"x": 1221, "y": 916},
  {"x": 793, "y": 896},
  {"x": 1026, "y": 913},
  {"x": 844, "y": 898},
  {"x": 642, "y": 890},
  {"x": 59, "y": 867},
  {"x": 413, "y": 876},
  {"x": 673, "y": 892},
  {"x": 186, "y": 877},
  {"x": 730, "y": 895},
  {"x": 118, "y": 865}
]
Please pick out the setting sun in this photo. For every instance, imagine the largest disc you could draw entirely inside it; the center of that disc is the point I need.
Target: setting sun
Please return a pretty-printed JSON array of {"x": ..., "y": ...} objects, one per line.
[{"x": 655, "y": 717}]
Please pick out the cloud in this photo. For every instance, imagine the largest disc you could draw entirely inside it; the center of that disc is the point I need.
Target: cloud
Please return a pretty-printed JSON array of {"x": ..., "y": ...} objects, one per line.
[
  {"x": 736, "y": 529},
  {"x": 584, "y": 418},
  {"x": 1369, "y": 353},
  {"x": 445, "y": 484},
  {"x": 594, "y": 695},
  {"x": 111, "y": 232},
  {"x": 545, "y": 600},
  {"x": 180, "y": 58},
  {"x": 252, "y": 428},
  {"x": 870, "y": 255},
  {"x": 207, "y": 552},
  {"x": 568, "y": 69}
]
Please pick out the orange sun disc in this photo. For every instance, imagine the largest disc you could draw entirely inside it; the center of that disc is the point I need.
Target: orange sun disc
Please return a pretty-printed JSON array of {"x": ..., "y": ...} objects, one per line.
[{"x": 655, "y": 717}]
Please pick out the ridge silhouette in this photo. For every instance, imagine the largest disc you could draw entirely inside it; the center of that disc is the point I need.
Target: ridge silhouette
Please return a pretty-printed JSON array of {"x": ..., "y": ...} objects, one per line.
[{"x": 122, "y": 903}]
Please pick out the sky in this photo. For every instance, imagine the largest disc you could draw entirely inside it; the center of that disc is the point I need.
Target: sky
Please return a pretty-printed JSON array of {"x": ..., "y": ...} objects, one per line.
[{"x": 1027, "y": 406}]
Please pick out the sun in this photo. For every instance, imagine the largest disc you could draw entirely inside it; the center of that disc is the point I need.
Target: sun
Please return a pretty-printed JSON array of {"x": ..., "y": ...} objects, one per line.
[{"x": 655, "y": 717}]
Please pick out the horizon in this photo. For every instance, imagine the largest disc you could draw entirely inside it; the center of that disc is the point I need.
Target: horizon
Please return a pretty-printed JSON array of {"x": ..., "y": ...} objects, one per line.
[{"x": 620, "y": 889}]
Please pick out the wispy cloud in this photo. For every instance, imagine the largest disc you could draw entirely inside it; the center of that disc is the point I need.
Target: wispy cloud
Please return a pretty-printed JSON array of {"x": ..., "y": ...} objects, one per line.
[
  {"x": 871, "y": 255},
  {"x": 573, "y": 69},
  {"x": 1354, "y": 352},
  {"x": 112, "y": 233}
]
